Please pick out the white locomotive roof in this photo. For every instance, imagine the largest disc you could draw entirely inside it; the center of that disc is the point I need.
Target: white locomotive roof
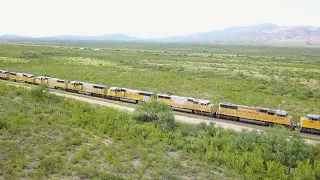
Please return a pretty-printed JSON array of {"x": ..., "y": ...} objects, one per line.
[
  {"x": 31, "y": 75},
  {"x": 279, "y": 112},
  {"x": 167, "y": 95},
  {"x": 113, "y": 88},
  {"x": 99, "y": 85},
  {"x": 283, "y": 113},
  {"x": 132, "y": 91},
  {"x": 314, "y": 116},
  {"x": 39, "y": 77},
  {"x": 56, "y": 79},
  {"x": 181, "y": 98}
]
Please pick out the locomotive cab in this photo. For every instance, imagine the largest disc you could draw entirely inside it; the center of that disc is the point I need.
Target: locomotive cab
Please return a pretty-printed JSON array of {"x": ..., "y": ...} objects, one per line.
[
  {"x": 310, "y": 123},
  {"x": 4, "y": 74}
]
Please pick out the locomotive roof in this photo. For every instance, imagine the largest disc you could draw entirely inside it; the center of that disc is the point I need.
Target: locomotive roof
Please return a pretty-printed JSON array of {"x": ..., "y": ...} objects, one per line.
[
  {"x": 284, "y": 113},
  {"x": 31, "y": 75},
  {"x": 114, "y": 88},
  {"x": 99, "y": 85},
  {"x": 202, "y": 101},
  {"x": 57, "y": 79},
  {"x": 131, "y": 90},
  {"x": 279, "y": 112},
  {"x": 4, "y": 71},
  {"x": 315, "y": 116},
  {"x": 43, "y": 77}
]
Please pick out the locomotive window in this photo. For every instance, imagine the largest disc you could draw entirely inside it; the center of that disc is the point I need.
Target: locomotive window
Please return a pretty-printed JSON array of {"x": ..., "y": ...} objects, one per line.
[
  {"x": 123, "y": 90},
  {"x": 281, "y": 115},
  {"x": 60, "y": 81},
  {"x": 144, "y": 94},
  {"x": 195, "y": 102},
  {"x": 224, "y": 106},
  {"x": 271, "y": 113},
  {"x": 190, "y": 100},
  {"x": 263, "y": 110},
  {"x": 98, "y": 87},
  {"x": 233, "y": 107}
]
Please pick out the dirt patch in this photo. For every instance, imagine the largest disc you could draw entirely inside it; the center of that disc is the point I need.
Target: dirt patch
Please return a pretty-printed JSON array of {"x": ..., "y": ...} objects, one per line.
[
  {"x": 173, "y": 154},
  {"x": 136, "y": 163}
]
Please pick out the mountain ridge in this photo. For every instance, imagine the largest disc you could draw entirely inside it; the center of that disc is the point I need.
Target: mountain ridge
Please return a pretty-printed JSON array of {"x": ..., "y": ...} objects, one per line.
[{"x": 266, "y": 33}]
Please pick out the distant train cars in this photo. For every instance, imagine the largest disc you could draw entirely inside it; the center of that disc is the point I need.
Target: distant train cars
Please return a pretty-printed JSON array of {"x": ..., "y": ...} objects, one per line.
[{"x": 310, "y": 123}]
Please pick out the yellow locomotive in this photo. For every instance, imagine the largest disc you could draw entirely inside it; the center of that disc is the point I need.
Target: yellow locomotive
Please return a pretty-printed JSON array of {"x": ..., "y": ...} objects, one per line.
[
  {"x": 129, "y": 94},
  {"x": 4, "y": 74},
  {"x": 87, "y": 88},
  {"x": 58, "y": 83},
  {"x": 197, "y": 106},
  {"x": 29, "y": 78},
  {"x": 310, "y": 123},
  {"x": 75, "y": 86},
  {"x": 13, "y": 76},
  {"x": 42, "y": 80},
  {"x": 95, "y": 89},
  {"x": 268, "y": 116}
]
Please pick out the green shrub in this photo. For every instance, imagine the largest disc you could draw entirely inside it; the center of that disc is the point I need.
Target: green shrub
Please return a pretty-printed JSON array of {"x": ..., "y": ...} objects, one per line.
[
  {"x": 3, "y": 124},
  {"x": 156, "y": 112},
  {"x": 51, "y": 164}
]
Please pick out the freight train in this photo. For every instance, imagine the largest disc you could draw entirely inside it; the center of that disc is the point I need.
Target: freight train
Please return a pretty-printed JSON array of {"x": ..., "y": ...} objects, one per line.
[{"x": 309, "y": 123}]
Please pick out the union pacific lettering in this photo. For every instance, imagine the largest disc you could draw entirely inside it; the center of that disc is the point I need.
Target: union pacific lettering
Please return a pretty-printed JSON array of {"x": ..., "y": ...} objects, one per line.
[
  {"x": 246, "y": 111},
  {"x": 256, "y": 113}
]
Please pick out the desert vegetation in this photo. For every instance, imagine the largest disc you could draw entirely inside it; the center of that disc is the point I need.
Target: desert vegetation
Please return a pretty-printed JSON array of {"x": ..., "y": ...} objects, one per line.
[
  {"x": 44, "y": 136},
  {"x": 271, "y": 77}
]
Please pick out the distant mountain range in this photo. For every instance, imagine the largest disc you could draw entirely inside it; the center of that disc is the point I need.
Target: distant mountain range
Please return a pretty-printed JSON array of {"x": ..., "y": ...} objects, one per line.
[{"x": 260, "y": 34}]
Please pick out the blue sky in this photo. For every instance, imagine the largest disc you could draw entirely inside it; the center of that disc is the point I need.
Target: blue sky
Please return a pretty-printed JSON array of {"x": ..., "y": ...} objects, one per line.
[{"x": 149, "y": 18}]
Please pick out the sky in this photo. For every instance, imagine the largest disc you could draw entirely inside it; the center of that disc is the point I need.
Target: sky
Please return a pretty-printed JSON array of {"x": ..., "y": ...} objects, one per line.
[{"x": 149, "y": 18}]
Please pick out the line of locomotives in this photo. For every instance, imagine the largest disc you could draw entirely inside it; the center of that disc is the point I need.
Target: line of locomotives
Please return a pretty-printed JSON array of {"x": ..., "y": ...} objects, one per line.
[{"x": 309, "y": 123}]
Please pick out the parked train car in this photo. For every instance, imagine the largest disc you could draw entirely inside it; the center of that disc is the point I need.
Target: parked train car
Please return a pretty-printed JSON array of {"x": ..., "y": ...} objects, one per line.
[
  {"x": 29, "y": 78},
  {"x": 75, "y": 86},
  {"x": 42, "y": 80},
  {"x": 268, "y": 116},
  {"x": 310, "y": 123},
  {"x": 197, "y": 106},
  {"x": 95, "y": 89},
  {"x": 58, "y": 83},
  {"x": 4, "y": 74},
  {"x": 129, "y": 94},
  {"x": 13, "y": 76},
  {"x": 20, "y": 77}
]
